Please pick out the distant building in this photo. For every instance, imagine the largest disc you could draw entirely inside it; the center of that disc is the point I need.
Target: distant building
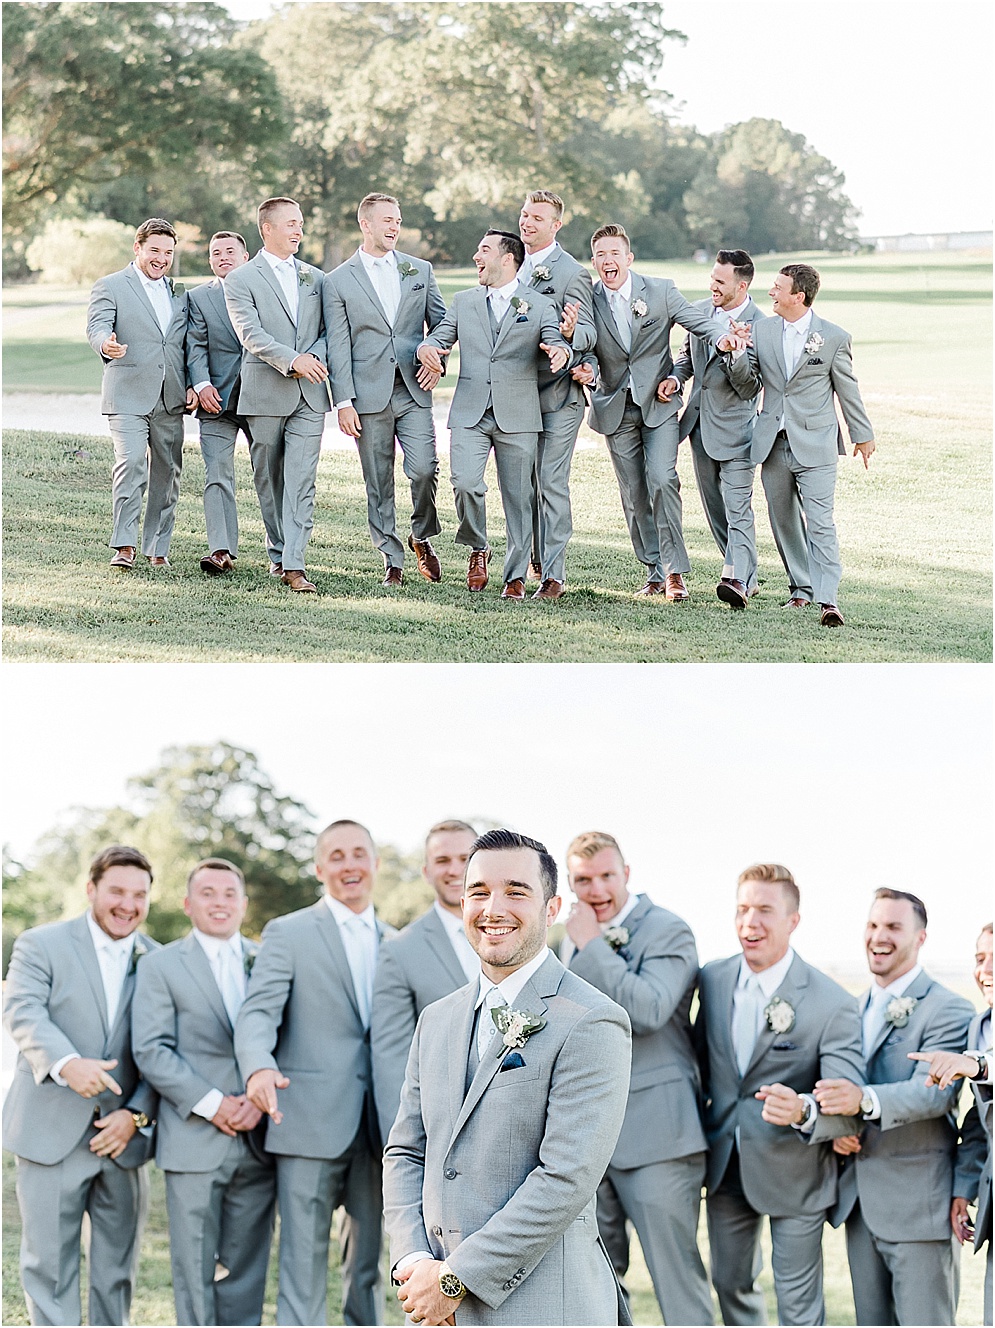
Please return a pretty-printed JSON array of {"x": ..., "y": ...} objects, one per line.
[{"x": 934, "y": 243}]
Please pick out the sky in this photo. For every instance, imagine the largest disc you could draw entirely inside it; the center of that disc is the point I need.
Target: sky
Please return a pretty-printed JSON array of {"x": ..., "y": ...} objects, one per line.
[
  {"x": 853, "y": 776},
  {"x": 893, "y": 92}
]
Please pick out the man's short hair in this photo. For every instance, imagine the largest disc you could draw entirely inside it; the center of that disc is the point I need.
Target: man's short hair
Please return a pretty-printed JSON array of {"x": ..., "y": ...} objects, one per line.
[
  {"x": 270, "y": 205},
  {"x": 450, "y": 828},
  {"x": 986, "y": 927},
  {"x": 776, "y": 874},
  {"x": 918, "y": 907},
  {"x": 740, "y": 261},
  {"x": 590, "y": 843},
  {"x": 216, "y": 864},
  {"x": 367, "y": 205},
  {"x": 510, "y": 244},
  {"x": 547, "y": 196},
  {"x": 337, "y": 825},
  {"x": 804, "y": 279},
  {"x": 154, "y": 226},
  {"x": 229, "y": 235},
  {"x": 118, "y": 855},
  {"x": 612, "y": 231},
  {"x": 495, "y": 840}
]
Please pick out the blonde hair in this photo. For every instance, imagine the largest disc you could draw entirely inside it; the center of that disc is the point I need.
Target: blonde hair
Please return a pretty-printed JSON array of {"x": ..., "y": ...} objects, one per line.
[
  {"x": 590, "y": 843},
  {"x": 547, "y": 196},
  {"x": 774, "y": 873}
]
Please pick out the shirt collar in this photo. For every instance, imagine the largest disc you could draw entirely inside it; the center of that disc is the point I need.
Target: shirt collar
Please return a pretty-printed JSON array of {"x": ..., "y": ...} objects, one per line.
[
  {"x": 512, "y": 985},
  {"x": 370, "y": 260},
  {"x": 504, "y": 292},
  {"x": 801, "y": 326},
  {"x": 159, "y": 283},
  {"x": 101, "y": 941},
  {"x": 452, "y": 924},
  {"x": 771, "y": 978},
  {"x": 538, "y": 258},
  {"x": 213, "y": 945},
  {"x": 343, "y": 915},
  {"x": 897, "y": 987},
  {"x": 622, "y": 913},
  {"x": 731, "y": 313},
  {"x": 275, "y": 262},
  {"x": 625, "y": 290}
]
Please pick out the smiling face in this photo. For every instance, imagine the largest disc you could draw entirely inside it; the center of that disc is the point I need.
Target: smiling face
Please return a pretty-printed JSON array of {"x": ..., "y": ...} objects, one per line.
[
  {"x": 983, "y": 965},
  {"x": 494, "y": 266},
  {"x": 224, "y": 254},
  {"x": 345, "y": 862},
  {"x": 446, "y": 855},
  {"x": 764, "y": 922},
  {"x": 283, "y": 231},
  {"x": 119, "y": 901},
  {"x": 154, "y": 256},
  {"x": 612, "y": 259},
  {"x": 504, "y": 913},
  {"x": 216, "y": 902},
  {"x": 537, "y": 225},
  {"x": 381, "y": 228},
  {"x": 601, "y": 881},
  {"x": 787, "y": 305},
  {"x": 728, "y": 290},
  {"x": 893, "y": 938}
]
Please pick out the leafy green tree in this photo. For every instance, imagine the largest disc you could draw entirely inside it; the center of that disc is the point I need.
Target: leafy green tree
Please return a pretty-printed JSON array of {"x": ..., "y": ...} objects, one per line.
[{"x": 76, "y": 252}]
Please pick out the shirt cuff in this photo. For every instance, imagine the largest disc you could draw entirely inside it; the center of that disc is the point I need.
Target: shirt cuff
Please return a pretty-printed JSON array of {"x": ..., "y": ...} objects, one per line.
[
  {"x": 807, "y": 1125},
  {"x": 346, "y": 401},
  {"x": 55, "y": 1073},
  {"x": 199, "y": 387},
  {"x": 875, "y": 1112},
  {"x": 208, "y": 1104},
  {"x": 738, "y": 354},
  {"x": 409, "y": 1259}
]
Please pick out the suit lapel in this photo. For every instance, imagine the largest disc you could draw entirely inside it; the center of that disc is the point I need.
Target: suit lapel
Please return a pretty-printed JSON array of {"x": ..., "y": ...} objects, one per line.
[
  {"x": 791, "y": 988},
  {"x": 917, "y": 990},
  {"x": 199, "y": 968},
  {"x": 328, "y": 929},
  {"x": 511, "y": 314},
  {"x": 361, "y": 276},
  {"x": 463, "y": 1031},
  {"x": 636, "y": 324},
  {"x": 813, "y": 327},
  {"x": 143, "y": 298},
  {"x": 607, "y": 317},
  {"x": 637, "y": 915},
  {"x": 725, "y": 985},
  {"x": 91, "y": 966},
  {"x": 270, "y": 277},
  {"x": 439, "y": 942},
  {"x": 407, "y": 285}
]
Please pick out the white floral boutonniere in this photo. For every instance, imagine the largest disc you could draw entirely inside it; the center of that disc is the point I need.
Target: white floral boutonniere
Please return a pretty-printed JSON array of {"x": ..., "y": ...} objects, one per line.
[
  {"x": 176, "y": 288},
  {"x": 137, "y": 951},
  {"x": 616, "y": 937},
  {"x": 515, "y": 1026},
  {"x": 407, "y": 269},
  {"x": 898, "y": 1010},
  {"x": 305, "y": 277},
  {"x": 521, "y": 307},
  {"x": 639, "y": 308},
  {"x": 814, "y": 344},
  {"x": 540, "y": 273},
  {"x": 780, "y": 1015}
]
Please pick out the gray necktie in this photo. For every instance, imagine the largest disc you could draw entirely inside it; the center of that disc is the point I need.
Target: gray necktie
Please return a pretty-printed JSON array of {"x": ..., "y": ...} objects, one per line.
[
  {"x": 745, "y": 1022},
  {"x": 792, "y": 348},
  {"x": 230, "y": 983},
  {"x": 115, "y": 959},
  {"x": 873, "y": 1020},
  {"x": 385, "y": 287},
  {"x": 486, "y": 1028},
  {"x": 620, "y": 313},
  {"x": 286, "y": 274}
]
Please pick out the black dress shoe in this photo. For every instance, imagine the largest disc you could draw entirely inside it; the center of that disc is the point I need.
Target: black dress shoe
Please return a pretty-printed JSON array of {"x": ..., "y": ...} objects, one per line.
[{"x": 732, "y": 592}]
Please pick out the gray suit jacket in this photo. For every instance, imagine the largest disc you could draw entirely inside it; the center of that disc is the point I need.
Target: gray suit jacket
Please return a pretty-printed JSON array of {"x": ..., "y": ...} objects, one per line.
[
  {"x": 300, "y": 1015},
  {"x": 910, "y": 1149},
  {"x": 214, "y": 352},
  {"x": 784, "y": 1173},
  {"x": 364, "y": 351},
  {"x": 653, "y": 978},
  {"x": 414, "y": 968},
  {"x": 500, "y": 1179},
  {"x": 568, "y": 283},
  {"x": 55, "y": 1004},
  {"x": 648, "y": 360},
  {"x": 270, "y": 339},
  {"x": 973, "y": 1171},
  {"x": 724, "y": 416},
  {"x": 184, "y": 1047},
  {"x": 502, "y": 374},
  {"x": 803, "y": 405},
  {"x": 154, "y": 363}
]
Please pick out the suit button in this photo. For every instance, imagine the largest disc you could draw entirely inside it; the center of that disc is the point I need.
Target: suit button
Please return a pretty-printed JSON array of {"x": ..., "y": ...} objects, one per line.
[
  {"x": 509, "y": 1286},
  {"x": 450, "y": 1173},
  {"x": 436, "y": 1231},
  {"x": 393, "y": 361}
]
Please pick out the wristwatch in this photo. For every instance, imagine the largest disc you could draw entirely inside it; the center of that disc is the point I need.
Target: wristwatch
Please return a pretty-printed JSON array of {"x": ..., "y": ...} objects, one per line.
[
  {"x": 866, "y": 1103},
  {"x": 983, "y": 1062},
  {"x": 449, "y": 1283},
  {"x": 140, "y": 1119}
]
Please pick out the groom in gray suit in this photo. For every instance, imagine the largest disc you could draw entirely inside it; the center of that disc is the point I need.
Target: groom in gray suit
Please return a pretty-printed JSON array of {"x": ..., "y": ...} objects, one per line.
[
  {"x": 903, "y": 1133},
  {"x": 214, "y": 362},
  {"x": 645, "y": 959},
  {"x": 78, "y": 1114},
  {"x": 804, "y": 365},
  {"x": 502, "y": 328},
  {"x": 512, "y": 1103},
  {"x": 378, "y": 305},
  {"x": 220, "y": 1184},
  {"x": 136, "y": 322},
  {"x": 427, "y": 960},
  {"x": 303, "y": 1047},
  {"x": 768, "y": 1027},
  {"x": 274, "y": 302}
]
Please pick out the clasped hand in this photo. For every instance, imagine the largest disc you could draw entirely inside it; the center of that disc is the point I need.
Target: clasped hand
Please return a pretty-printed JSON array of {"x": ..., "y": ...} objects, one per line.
[
  {"x": 421, "y": 1295},
  {"x": 310, "y": 367},
  {"x": 739, "y": 337},
  {"x": 236, "y": 1115},
  {"x": 261, "y": 1092}
]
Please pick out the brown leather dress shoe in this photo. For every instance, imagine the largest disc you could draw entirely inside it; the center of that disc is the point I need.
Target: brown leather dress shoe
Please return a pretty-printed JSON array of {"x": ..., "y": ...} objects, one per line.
[
  {"x": 428, "y": 560},
  {"x": 732, "y": 592},
  {"x": 795, "y": 603},
  {"x": 297, "y": 581},
  {"x": 831, "y": 616},
  {"x": 476, "y": 575},
  {"x": 535, "y": 571},
  {"x": 549, "y": 589},
  {"x": 653, "y": 588},
  {"x": 513, "y": 589},
  {"x": 158, "y": 561},
  {"x": 124, "y": 557},
  {"x": 217, "y": 563},
  {"x": 393, "y": 576},
  {"x": 676, "y": 589}
]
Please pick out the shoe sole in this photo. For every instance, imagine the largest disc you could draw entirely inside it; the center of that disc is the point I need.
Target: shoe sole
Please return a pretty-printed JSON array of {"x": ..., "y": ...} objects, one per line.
[{"x": 729, "y": 596}]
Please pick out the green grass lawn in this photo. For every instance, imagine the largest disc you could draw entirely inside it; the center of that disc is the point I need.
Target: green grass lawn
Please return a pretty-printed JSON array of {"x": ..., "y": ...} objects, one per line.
[{"x": 915, "y": 530}]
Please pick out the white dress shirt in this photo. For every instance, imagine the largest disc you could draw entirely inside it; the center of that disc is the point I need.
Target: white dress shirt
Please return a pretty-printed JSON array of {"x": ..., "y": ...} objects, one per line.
[
  {"x": 793, "y": 338},
  {"x": 285, "y": 270},
  {"x": 114, "y": 959},
  {"x": 359, "y": 939},
  {"x": 159, "y": 297},
  {"x": 465, "y": 952},
  {"x": 500, "y": 298},
  {"x": 872, "y": 1022},
  {"x": 228, "y": 969},
  {"x": 568, "y": 949},
  {"x": 532, "y": 261},
  {"x": 620, "y": 302},
  {"x": 386, "y": 280}
]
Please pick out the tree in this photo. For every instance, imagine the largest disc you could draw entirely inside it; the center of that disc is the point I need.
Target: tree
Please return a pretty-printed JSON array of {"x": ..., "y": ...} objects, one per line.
[{"x": 76, "y": 253}]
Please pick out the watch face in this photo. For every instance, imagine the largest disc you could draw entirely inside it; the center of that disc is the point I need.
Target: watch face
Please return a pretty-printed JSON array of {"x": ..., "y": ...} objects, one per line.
[
  {"x": 450, "y": 1285},
  {"x": 140, "y": 1119}
]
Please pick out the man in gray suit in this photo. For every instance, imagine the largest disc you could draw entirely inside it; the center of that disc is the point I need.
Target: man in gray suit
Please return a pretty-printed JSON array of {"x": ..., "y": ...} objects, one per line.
[
  {"x": 512, "y": 1103},
  {"x": 274, "y": 302},
  {"x": 501, "y": 326},
  {"x": 768, "y": 1027},
  {"x": 78, "y": 1114},
  {"x": 634, "y": 316},
  {"x": 803, "y": 363},
  {"x": 903, "y": 1133},
  {"x": 214, "y": 362},
  {"x": 303, "y": 1047},
  {"x": 719, "y": 422},
  {"x": 378, "y": 305},
  {"x": 136, "y": 323},
  {"x": 220, "y": 1184},
  {"x": 551, "y": 271},
  {"x": 645, "y": 959},
  {"x": 427, "y": 960}
]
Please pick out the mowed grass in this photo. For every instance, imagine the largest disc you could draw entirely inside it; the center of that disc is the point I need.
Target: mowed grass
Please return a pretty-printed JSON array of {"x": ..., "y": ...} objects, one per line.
[{"x": 915, "y": 529}]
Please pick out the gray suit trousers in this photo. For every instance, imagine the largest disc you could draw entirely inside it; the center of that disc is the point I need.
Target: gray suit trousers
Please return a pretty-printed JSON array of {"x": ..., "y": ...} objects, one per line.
[
  {"x": 218, "y": 435},
  {"x": 905, "y": 1282},
  {"x": 800, "y": 503},
  {"x": 285, "y": 452},
  {"x": 223, "y": 1216},
  {"x": 53, "y": 1200},
  {"x": 726, "y": 490},
  {"x": 645, "y": 461},
  {"x": 552, "y": 521},
  {"x": 413, "y": 427},
  {"x": 148, "y": 451},
  {"x": 514, "y": 456}
]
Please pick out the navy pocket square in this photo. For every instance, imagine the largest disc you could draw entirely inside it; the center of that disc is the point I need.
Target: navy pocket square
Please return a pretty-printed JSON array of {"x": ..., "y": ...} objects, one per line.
[
  {"x": 650, "y": 322},
  {"x": 419, "y": 285},
  {"x": 784, "y": 1046},
  {"x": 522, "y": 318},
  {"x": 547, "y": 290},
  {"x": 513, "y": 1061},
  {"x": 813, "y": 361}
]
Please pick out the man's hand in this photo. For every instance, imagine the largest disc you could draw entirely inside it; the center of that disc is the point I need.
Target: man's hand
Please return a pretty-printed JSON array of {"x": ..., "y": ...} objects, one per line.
[
  {"x": 222, "y": 1118},
  {"x": 667, "y": 388},
  {"x": 568, "y": 324},
  {"x": 114, "y": 1132},
  {"x": 847, "y": 1144},
  {"x": 427, "y": 380},
  {"x": 246, "y": 1115},
  {"x": 960, "y": 1220},
  {"x": 945, "y": 1067},
  {"x": 89, "y": 1077},
  {"x": 865, "y": 450},
  {"x": 432, "y": 358},
  {"x": 583, "y": 373},
  {"x": 558, "y": 356},
  {"x": 112, "y": 348},
  {"x": 349, "y": 421},
  {"x": 782, "y": 1105},
  {"x": 838, "y": 1097},
  {"x": 210, "y": 399},
  {"x": 309, "y": 367},
  {"x": 192, "y": 400},
  {"x": 420, "y": 1295},
  {"x": 582, "y": 924},
  {"x": 261, "y": 1092}
]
